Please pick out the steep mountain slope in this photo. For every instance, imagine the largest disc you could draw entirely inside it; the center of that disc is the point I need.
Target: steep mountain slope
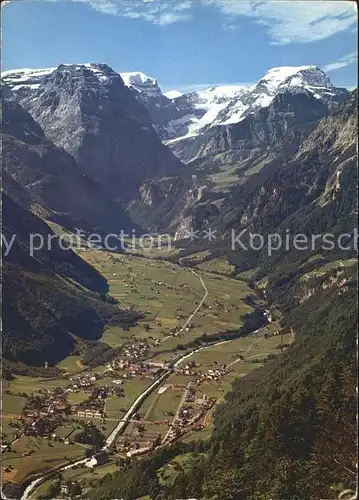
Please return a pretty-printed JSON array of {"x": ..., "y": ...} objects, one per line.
[
  {"x": 160, "y": 108},
  {"x": 174, "y": 204},
  {"x": 313, "y": 188},
  {"x": 88, "y": 111},
  {"x": 228, "y": 144},
  {"x": 228, "y": 156},
  {"x": 57, "y": 187},
  {"x": 313, "y": 386},
  {"x": 50, "y": 295}
]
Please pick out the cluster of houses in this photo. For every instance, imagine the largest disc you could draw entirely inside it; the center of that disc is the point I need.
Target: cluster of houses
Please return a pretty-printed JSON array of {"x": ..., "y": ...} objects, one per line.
[
  {"x": 133, "y": 368},
  {"x": 212, "y": 374},
  {"x": 44, "y": 412},
  {"x": 94, "y": 405},
  {"x": 83, "y": 381},
  {"x": 189, "y": 369},
  {"x": 139, "y": 349},
  {"x": 177, "y": 330},
  {"x": 135, "y": 444},
  {"x": 215, "y": 373},
  {"x": 186, "y": 418},
  {"x": 50, "y": 408}
]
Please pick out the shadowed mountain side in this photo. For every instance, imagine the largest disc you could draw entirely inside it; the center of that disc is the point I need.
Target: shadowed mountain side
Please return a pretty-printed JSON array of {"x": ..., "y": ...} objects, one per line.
[
  {"x": 57, "y": 187},
  {"x": 48, "y": 297}
]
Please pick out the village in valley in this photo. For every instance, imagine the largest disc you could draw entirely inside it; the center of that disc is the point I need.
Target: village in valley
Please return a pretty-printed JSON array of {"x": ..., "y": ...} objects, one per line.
[{"x": 51, "y": 421}]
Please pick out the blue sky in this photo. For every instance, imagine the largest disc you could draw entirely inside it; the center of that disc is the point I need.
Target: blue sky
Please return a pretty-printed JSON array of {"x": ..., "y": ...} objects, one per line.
[{"x": 185, "y": 44}]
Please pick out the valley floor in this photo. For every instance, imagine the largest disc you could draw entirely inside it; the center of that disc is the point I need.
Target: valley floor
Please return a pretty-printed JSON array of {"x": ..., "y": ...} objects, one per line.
[{"x": 179, "y": 306}]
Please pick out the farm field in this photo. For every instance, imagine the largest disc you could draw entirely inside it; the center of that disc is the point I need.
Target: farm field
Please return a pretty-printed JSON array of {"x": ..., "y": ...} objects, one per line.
[
  {"x": 43, "y": 455},
  {"x": 115, "y": 336},
  {"x": 201, "y": 435},
  {"x": 141, "y": 435},
  {"x": 83, "y": 475},
  {"x": 216, "y": 265},
  {"x": 66, "y": 430},
  {"x": 251, "y": 346},
  {"x": 30, "y": 385},
  {"x": 41, "y": 490},
  {"x": 116, "y": 405},
  {"x": 336, "y": 264},
  {"x": 71, "y": 364},
  {"x": 8, "y": 432},
  {"x": 164, "y": 403},
  {"x": 180, "y": 463},
  {"x": 253, "y": 349},
  {"x": 155, "y": 247},
  {"x": 77, "y": 397},
  {"x": 12, "y": 403},
  {"x": 167, "y": 294}
]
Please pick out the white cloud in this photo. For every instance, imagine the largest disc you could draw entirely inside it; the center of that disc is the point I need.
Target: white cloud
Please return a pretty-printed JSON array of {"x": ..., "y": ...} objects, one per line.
[
  {"x": 229, "y": 26},
  {"x": 291, "y": 21},
  {"x": 160, "y": 12},
  {"x": 347, "y": 60}
]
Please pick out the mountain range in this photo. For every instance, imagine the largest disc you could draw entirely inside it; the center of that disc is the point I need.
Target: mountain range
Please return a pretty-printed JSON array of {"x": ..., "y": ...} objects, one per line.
[
  {"x": 190, "y": 114},
  {"x": 102, "y": 118}
]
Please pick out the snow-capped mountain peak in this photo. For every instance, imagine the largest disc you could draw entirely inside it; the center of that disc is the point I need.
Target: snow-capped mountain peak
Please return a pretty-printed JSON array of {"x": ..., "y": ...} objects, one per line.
[
  {"x": 26, "y": 81},
  {"x": 177, "y": 116},
  {"x": 307, "y": 79},
  {"x": 172, "y": 94},
  {"x": 203, "y": 108},
  {"x": 138, "y": 79},
  {"x": 145, "y": 87},
  {"x": 25, "y": 77},
  {"x": 294, "y": 76}
]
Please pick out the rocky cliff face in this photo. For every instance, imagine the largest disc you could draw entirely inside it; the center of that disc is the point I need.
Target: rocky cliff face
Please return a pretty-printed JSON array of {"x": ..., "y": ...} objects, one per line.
[
  {"x": 193, "y": 114},
  {"x": 174, "y": 204},
  {"x": 182, "y": 117},
  {"x": 285, "y": 156},
  {"x": 53, "y": 184},
  {"x": 312, "y": 188},
  {"x": 147, "y": 91},
  {"x": 88, "y": 111},
  {"x": 267, "y": 127}
]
